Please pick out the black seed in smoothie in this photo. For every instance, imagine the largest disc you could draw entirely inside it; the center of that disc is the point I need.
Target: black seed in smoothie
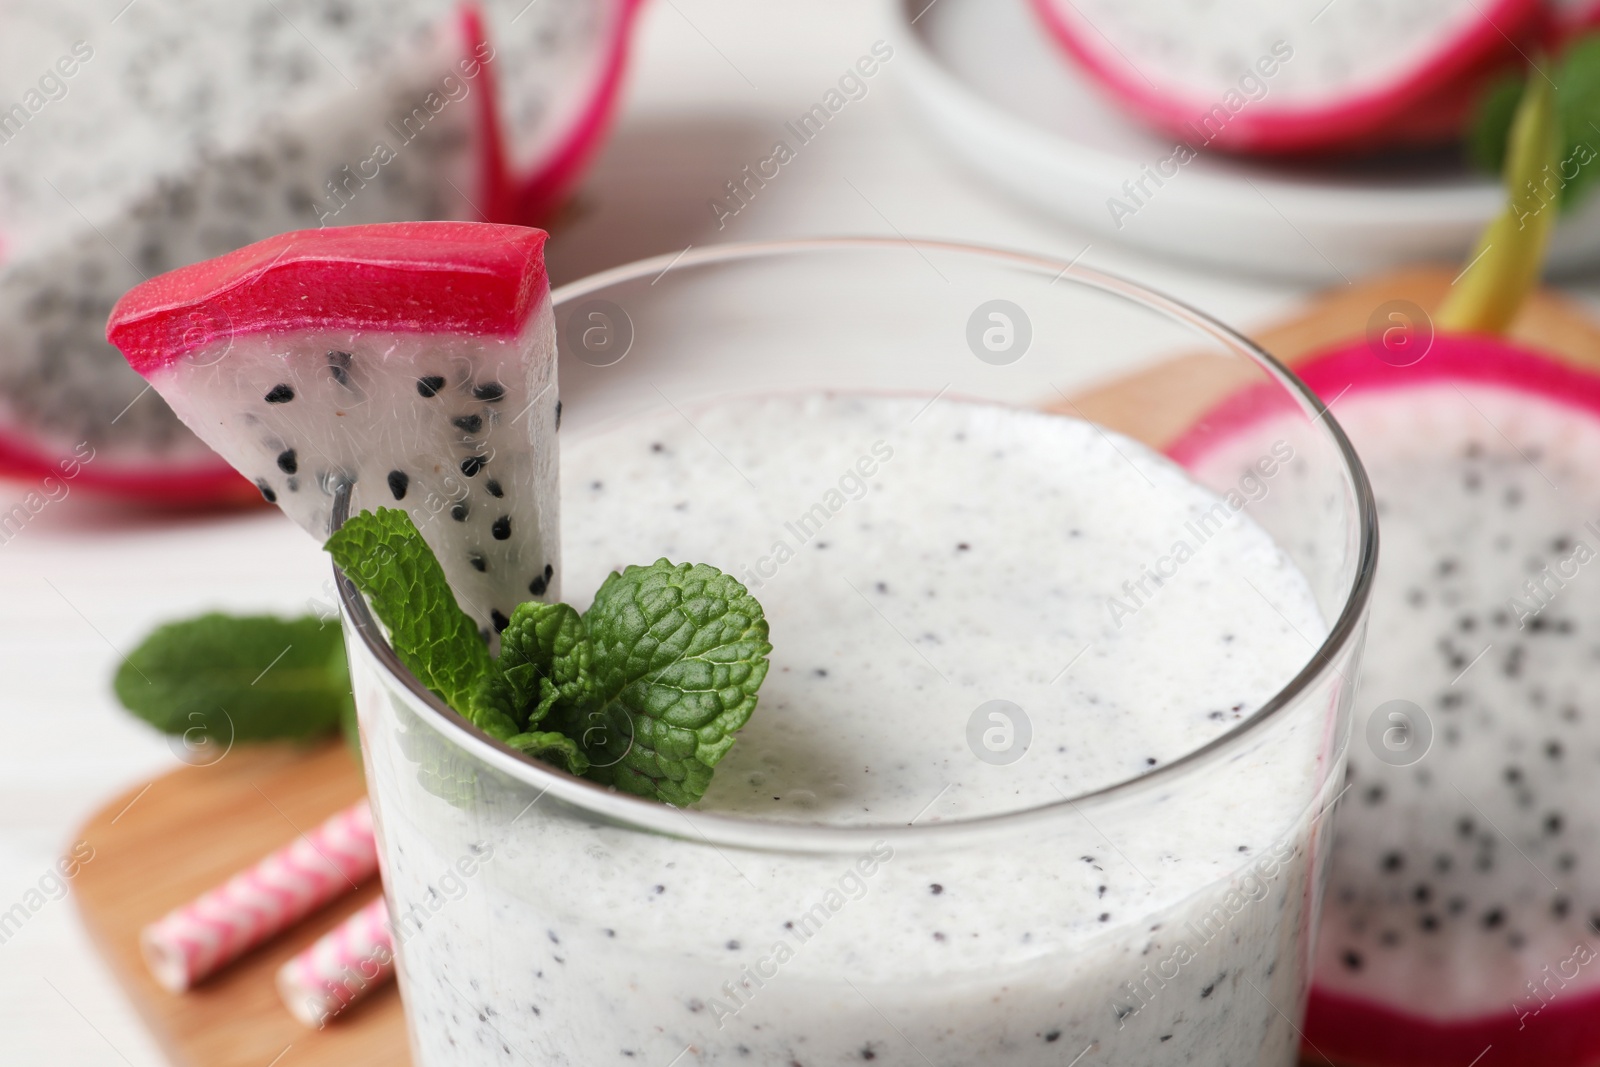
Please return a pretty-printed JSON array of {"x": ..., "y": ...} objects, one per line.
[
  {"x": 501, "y": 528},
  {"x": 399, "y": 482},
  {"x": 558, "y": 414},
  {"x": 1493, "y": 918},
  {"x": 733, "y": 946},
  {"x": 1430, "y": 923},
  {"x": 472, "y": 465},
  {"x": 936, "y": 889},
  {"x": 1552, "y": 823},
  {"x": 1392, "y": 861},
  {"x": 538, "y": 586},
  {"x": 479, "y": 564},
  {"x": 458, "y": 512},
  {"x": 468, "y": 423},
  {"x": 489, "y": 392},
  {"x": 288, "y": 462},
  {"x": 493, "y": 488},
  {"x": 1052, "y": 1037},
  {"x": 266, "y": 491},
  {"x": 1351, "y": 959},
  {"x": 499, "y": 620},
  {"x": 279, "y": 394},
  {"x": 429, "y": 385}
]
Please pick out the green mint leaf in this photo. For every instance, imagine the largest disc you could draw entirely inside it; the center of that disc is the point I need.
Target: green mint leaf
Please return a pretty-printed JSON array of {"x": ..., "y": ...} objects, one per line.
[
  {"x": 247, "y": 678},
  {"x": 678, "y": 654},
  {"x": 1578, "y": 104},
  {"x": 387, "y": 559},
  {"x": 552, "y": 747},
  {"x": 544, "y": 658},
  {"x": 1491, "y": 124}
]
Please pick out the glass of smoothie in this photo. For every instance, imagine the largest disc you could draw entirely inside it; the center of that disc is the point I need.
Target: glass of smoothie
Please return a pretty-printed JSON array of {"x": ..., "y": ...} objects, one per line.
[{"x": 1042, "y": 768}]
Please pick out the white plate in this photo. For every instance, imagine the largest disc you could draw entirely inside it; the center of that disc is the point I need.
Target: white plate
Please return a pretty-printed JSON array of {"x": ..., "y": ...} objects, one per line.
[{"x": 985, "y": 79}]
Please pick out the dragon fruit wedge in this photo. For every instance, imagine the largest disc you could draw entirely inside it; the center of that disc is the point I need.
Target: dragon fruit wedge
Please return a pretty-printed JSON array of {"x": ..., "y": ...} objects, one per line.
[
  {"x": 182, "y": 130},
  {"x": 1296, "y": 76},
  {"x": 413, "y": 362},
  {"x": 1461, "y": 923}
]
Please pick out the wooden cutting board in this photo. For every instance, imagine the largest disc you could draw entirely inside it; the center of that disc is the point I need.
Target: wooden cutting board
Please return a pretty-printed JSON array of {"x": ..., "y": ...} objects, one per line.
[
  {"x": 163, "y": 844},
  {"x": 1173, "y": 394}
]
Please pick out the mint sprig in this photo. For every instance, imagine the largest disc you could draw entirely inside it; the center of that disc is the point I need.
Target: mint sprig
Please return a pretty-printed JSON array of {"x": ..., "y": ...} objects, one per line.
[
  {"x": 385, "y": 556},
  {"x": 643, "y": 692},
  {"x": 244, "y": 678},
  {"x": 679, "y": 653}
]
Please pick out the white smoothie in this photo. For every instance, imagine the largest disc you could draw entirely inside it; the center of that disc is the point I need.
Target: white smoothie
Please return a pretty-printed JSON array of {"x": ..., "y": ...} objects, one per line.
[{"x": 916, "y": 561}]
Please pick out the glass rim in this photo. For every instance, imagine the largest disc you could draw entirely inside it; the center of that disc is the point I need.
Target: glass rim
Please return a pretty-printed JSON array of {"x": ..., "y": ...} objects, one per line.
[{"x": 758, "y": 834}]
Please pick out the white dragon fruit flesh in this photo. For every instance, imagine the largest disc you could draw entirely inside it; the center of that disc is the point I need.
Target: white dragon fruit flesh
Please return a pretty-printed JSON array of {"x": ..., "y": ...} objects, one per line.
[
  {"x": 1461, "y": 923},
  {"x": 413, "y": 362},
  {"x": 175, "y": 132},
  {"x": 1297, "y": 76}
]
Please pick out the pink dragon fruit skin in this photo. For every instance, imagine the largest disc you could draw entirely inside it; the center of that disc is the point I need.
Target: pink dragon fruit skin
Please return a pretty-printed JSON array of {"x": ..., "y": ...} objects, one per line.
[
  {"x": 169, "y": 146},
  {"x": 413, "y": 362},
  {"x": 1298, "y": 76},
  {"x": 1462, "y": 918}
]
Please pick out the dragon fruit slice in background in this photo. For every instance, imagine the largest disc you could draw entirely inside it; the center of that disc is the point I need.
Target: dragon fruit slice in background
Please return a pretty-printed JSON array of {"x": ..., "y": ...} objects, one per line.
[
  {"x": 1463, "y": 904},
  {"x": 1296, "y": 76},
  {"x": 1573, "y": 17},
  {"x": 414, "y": 362},
  {"x": 187, "y": 129}
]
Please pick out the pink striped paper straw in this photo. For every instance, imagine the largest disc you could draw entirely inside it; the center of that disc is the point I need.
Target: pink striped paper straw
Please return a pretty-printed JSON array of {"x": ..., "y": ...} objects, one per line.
[
  {"x": 191, "y": 942},
  {"x": 344, "y": 965}
]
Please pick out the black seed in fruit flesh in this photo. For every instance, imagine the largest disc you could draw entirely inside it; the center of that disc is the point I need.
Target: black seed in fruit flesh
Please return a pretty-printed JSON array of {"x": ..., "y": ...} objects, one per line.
[
  {"x": 430, "y": 385},
  {"x": 266, "y": 492},
  {"x": 468, "y": 423},
  {"x": 490, "y": 392},
  {"x": 499, "y": 620},
  {"x": 279, "y": 394},
  {"x": 501, "y": 528},
  {"x": 479, "y": 564},
  {"x": 494, "y": 488},
  {"x": 458, "y": 512},
  {"x": 472, "y": 465},
  {"x": 538, "y": 586},
  {"x": 287, "y": 461},
  {"x": 399, "y": 482},
  {"x": 339, "y": 366}
]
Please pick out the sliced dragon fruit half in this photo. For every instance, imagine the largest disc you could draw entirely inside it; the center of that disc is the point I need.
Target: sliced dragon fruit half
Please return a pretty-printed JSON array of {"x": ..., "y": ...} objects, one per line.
[
  {"x": 1461, "y": 923},
  {"x": 134, "y": 145},
  {"x": 413, "y": 362},
  {"x": 1296, "y": 76}
]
